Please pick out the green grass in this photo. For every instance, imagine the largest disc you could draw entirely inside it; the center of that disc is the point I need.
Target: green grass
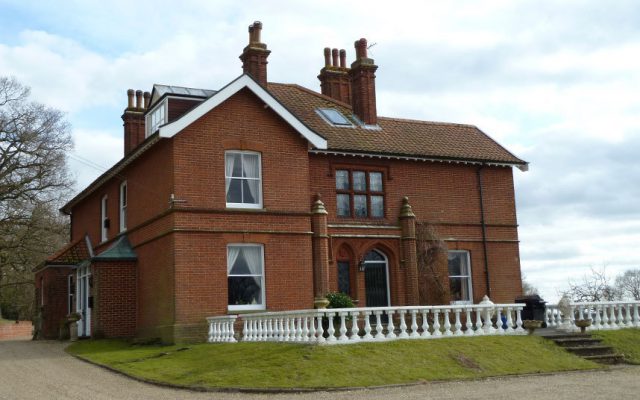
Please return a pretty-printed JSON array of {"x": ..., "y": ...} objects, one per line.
[
  {"x": 6, "y": 321},
  {"x": 283, "y": 365},
  {"x": 624, "y": 341}
]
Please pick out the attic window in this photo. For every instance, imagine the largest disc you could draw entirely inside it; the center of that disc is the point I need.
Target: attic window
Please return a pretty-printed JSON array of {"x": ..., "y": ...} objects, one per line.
[
  {"x": 157, "y": 117},
  {"x": 334, "y": 117}
]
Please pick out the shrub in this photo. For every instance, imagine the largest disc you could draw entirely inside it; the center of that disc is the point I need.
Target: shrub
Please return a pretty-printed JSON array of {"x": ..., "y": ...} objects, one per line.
[{"x": 339, "y": 300}]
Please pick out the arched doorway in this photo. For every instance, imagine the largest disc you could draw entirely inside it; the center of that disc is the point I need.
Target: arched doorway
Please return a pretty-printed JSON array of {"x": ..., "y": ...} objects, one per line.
[{"x": 376, "y": 279}]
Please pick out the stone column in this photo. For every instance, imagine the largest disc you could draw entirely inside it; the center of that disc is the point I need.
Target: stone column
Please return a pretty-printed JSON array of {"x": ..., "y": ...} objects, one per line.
[
  {"x": 409, "y": 252},
  {"x": 320, "y": 244}
]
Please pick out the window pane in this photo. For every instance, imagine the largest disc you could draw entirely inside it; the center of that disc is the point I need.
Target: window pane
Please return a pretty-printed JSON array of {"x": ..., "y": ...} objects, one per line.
[
  {"x": 456, "y": 267},
  {"x": 251, "y": 191},
  {"x": 455, "y": 287},
  {"x": 360, "y": 205},
  {"x": 234, "y": 193},
  {"x": 343, "y": 277},
  {"x": 233, "y": 164},
  {"x": 251, "y": 165},
  {"x": 244, "y": 290},
  {"x": 377, "y": 206},
  {"x": 359, "y": 181},
  {"x": 342, "y": 180},
  {"x": 343, "y": 206},
  {"x": 375, "y": 181}
]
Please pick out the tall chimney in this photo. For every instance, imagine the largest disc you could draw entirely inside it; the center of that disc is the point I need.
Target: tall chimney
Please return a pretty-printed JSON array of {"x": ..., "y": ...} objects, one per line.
[
  {"x": 133, "y": 119},
  {"x": 334, "y": 77},
  {"x": 363, "y": 85},
  {"x": 254, "y": 56}
]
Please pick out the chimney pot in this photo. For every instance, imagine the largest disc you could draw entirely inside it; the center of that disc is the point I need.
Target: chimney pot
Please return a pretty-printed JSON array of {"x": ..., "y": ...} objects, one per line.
[
  {"x": 361, "y": 48},
  {"x": 327, "y": 57},
  {"x": 334, "y": 56},
  {"x": 343, "y": 58},
  {"x": 147, "y": 99},
  {"x": 254, "y": 56},
  {"x": 139, "y": 99},
  {"x": 130, "y": 94}
]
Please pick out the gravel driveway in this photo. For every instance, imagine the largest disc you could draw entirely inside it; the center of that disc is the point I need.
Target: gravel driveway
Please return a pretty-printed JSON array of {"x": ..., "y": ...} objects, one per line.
[{"x": 42, "y": 370}]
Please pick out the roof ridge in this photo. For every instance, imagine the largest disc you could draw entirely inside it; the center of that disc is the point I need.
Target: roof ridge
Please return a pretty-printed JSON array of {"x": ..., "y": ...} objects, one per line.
[
  {"x": 419, "y": 121},
  {"x": 310, "y": 91}
]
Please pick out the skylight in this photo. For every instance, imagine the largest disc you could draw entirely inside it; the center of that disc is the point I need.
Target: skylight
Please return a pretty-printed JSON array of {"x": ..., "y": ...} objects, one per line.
[{"x": 334, "y": 117}]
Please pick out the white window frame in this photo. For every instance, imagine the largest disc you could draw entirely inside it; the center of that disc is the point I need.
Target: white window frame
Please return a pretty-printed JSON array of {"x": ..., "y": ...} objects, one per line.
[
  {"x": 469, "y": 277},
  {"x": 244, "y": 205},
  {"x": 160, "y": 111},
  {"x": 104, "y": 231},
  {"x": 124, "y": 200},
  {"x": 71, "y": 306},
  {"x": 249, "y": 307}
]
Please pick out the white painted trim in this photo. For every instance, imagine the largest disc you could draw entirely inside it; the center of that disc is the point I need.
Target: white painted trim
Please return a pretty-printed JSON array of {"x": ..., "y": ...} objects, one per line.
[
  {"x": 244, "y": 81},
  {"x": 386, "y": 265},
  {"x": 522, "y": 167},
  {"x": 164, "y": 103},
  {"x": 103, "y": 218},
  {"x": 258, "y": 205},
  {"x": 470, "y": 277},
  {"x": 248, "y": 307},
  {"x": 122, "y": 206}
]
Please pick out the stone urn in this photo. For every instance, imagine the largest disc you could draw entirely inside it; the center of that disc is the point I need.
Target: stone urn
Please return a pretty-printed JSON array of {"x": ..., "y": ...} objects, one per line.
[
  {"x": 564, "y": 307},
  {"x": 72, "y": 323},
  {"x": 531, "y": 325},
  {"x": 583, "y": 324}
]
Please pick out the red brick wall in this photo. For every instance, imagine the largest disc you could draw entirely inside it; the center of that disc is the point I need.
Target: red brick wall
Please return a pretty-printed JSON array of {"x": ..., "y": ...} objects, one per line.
[
  {"x": 114, "y": 312},
  {"x": 55, "y": 306},
  {"x": 21, "y": 330}
]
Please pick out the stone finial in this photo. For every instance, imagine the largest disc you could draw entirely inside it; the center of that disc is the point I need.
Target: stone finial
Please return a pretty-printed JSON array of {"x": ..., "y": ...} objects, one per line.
[
  {"x": 318, "y": 206},
  {"x": 406, "y": 211}
]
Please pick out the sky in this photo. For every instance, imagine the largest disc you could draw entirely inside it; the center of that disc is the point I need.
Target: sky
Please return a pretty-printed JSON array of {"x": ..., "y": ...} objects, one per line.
[{"x": 557, "y": 83}]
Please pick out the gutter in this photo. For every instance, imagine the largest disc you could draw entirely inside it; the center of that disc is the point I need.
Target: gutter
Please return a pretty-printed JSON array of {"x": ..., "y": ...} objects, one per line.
[{"x": 484, "y": 230}]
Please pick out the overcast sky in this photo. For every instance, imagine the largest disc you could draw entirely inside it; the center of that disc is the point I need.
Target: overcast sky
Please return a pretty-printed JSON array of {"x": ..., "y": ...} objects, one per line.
[{"x": 558, "y": 83}]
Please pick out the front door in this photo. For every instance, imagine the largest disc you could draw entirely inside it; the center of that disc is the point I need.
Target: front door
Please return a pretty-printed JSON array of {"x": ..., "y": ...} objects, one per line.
[
  {"x": 82, "y": 301},
  {"x": 376, "y": 279}
]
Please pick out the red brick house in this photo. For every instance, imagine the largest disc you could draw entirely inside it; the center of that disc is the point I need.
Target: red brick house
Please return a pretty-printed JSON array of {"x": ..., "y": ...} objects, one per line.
[{"x": 266, "y": 196}]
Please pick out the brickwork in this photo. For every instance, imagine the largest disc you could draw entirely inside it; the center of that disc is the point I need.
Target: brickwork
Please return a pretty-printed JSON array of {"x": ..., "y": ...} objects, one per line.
[
  {"x": 114, "y": 311},
  {"x": 53, "y": 302},
  {"x": 20, "y": 330}
]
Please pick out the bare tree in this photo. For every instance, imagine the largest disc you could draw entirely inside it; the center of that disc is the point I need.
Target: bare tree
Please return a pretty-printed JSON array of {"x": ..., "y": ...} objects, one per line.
[
  {"x": 629, "y": 284},
  {"x": 528, "y": 288},
  {"x": 432, "y": 265},
  {"x": 593, "y": 287},
  {"x": 34, "y": 180}
]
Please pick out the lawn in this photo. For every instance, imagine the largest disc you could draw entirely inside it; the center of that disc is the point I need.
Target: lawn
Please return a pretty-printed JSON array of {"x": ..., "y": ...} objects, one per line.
[
  {"x": 625, "y": 341},
  {"x": 284, "y": 365}
]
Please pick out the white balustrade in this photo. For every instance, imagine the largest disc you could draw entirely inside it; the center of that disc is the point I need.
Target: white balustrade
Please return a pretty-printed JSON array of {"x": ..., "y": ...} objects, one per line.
[
  {"x": 221, "y": 328},
  {"x": 352, "y": 325},
  {"x": 603, "y": 315}
]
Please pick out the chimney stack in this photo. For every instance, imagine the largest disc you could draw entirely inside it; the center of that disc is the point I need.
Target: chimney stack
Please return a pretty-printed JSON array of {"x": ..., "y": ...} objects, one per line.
[
  {"x": 363, "y": 85},
  {"x": 133, "y": 119},
  {"x": 334, "y": 76},
  {"x": 254, "y": 56}
]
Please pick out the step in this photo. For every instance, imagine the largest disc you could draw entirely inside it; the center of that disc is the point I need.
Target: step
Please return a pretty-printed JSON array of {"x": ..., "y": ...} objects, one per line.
[
  {"x": 605, "y": 359},
  {"x": 555, "y": 336},
  {"x": 577, "y": 342},
  {"x": 591, "y": 350}
]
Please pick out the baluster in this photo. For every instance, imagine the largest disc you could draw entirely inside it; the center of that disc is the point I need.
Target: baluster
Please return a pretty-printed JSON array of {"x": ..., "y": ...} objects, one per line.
[
  {"x": 214, "y": 331},
  {"x": 425, "y": 323},
  {"x": 305, "y": 328},
  {"x": 391, "y": 334},
  {"x": 510, "y": 329},
  {"x": 519, "y": 329},
  {"x": 223, "y": 331},
  {"x": 331, "y": 329},
  {"x": 499, "y": 323},
  {"x": 232, "y": 331},
  {"x": 479, "y": 330},
  {"x": 343, "y": 326},
  {"x": 210, "y": 333},
  {"x": 262, "y": 329},
  {"x": 468, "y": 324},
  {"x": 367, "y": 326},
  {"x": 379, "y": 335},
  {"x": 403, "y": 324},
  {"x": 458, "y": 325},
  {"x": 597, "y": 322},
  {"x": 447, "y": 322},
  {"x": 299, "y": 328},
  {"x": 436, "y": 322},
  {"x": 606, "y": 321},
  {"x": 414, "y": 324},
  {"x": 627, "y": 316},
  {"x": 355, "y": 330},
  {"x": 285, "y": 328},
  {"x": 488, "y": 325},
  {"x": 320, "y": 329},
  {"x": 620, "y": 318},
  {"x": 312, "y": 328},
  {"x": 292, "y": 328},
  {"x": 636, "y": 317}
]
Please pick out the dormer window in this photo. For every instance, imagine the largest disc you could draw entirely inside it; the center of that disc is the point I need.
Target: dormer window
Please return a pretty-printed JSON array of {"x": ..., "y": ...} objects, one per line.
[
  {"x": 334, "y": 117},
  {"x": 157, "y": 117}
]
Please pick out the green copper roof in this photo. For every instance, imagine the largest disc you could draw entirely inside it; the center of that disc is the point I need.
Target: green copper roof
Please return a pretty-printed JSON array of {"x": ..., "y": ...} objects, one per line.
[{"x": 120, "y": 250}]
